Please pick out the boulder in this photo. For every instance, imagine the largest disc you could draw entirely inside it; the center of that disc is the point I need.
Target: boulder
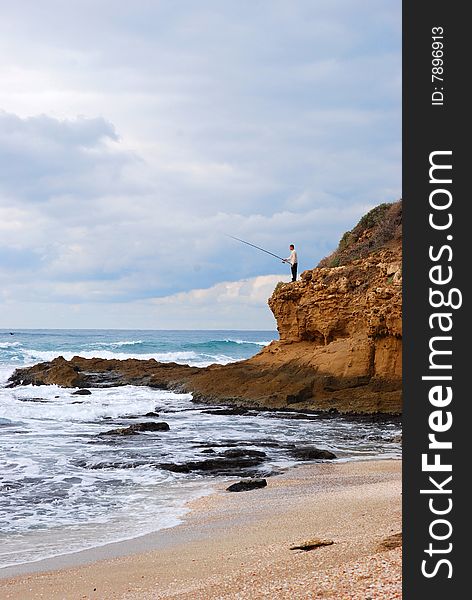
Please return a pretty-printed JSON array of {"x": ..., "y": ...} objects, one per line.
[
  {"x": 312, "y": 453},
  {"x": 239, "y": 452},
  {"x": 138, "y": 428},
  {"x": 247, "y": 485},
  {"x": 219, "y": 465}
]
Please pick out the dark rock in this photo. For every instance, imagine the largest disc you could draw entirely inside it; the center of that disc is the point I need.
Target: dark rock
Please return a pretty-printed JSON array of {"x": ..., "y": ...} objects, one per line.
[
  {"x": 238, "y": 452},
  {"x": 208, "y": 451},
  {"x": 117, "y": 465},
  {"x": 151, "y": 414},
  {"x": 38, "y": 400},
  {"x": 294, "y": 416},
  {"x": 216, "y": 466},
  {"x": 227, "y": 411},
  {"x": 161, "y": 426},
  {"x": 82, "y": 392},
  {"x": 246, "y": 486},
  {"x": 312, "y": 453},
  {"x": 174, "y": 467},
  {"x": 120, "y": 431},
  {"x": 135, "y": 429},
  {"x": 223, "y": 465}
]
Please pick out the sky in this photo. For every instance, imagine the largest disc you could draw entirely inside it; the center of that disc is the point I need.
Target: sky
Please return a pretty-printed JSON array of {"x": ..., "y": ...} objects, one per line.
[{"x": 135, "y": 136}]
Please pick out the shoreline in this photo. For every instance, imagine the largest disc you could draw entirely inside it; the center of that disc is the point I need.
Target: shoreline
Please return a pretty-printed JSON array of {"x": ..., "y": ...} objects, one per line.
[{"x": 227, "y": 536}]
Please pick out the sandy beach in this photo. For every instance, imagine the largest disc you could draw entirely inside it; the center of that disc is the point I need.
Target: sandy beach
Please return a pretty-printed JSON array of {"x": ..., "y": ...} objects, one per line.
[{"x": 238, "y": 545}]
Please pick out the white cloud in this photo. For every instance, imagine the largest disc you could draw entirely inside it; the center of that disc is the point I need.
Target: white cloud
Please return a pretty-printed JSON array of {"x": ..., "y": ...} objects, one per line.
[
  {"x": 226, "y": 305},
  {"x": 133, "y": 136}
]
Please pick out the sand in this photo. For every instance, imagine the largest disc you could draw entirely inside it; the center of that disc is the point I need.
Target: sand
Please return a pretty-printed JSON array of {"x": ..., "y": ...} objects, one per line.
[{"x": 237, "y": 545}]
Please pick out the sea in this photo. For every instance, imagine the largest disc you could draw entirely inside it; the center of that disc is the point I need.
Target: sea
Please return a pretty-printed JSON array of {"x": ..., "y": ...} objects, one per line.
[{"x": 66, "y": 488}]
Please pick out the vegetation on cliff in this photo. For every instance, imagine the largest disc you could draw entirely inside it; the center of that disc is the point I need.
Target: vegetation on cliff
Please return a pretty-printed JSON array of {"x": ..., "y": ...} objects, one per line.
[{"x": 379, "y": 228}]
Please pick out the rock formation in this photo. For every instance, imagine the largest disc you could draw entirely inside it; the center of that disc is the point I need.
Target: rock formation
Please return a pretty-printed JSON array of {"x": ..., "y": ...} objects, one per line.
[{"x": 340, "y": 343}]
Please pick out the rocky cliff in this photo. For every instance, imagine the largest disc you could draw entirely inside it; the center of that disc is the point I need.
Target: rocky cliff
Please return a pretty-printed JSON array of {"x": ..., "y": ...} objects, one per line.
[
  {"x": 340, "y": 344},
  {"x": 340, "y": 330}
]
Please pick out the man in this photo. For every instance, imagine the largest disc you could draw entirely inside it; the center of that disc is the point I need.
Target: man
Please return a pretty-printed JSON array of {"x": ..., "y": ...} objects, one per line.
[{"x": 293, "y": 261}]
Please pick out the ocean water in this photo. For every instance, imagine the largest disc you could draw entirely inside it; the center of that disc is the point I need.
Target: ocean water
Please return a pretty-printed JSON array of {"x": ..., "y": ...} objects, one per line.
[{"x": 64, "y": 488}]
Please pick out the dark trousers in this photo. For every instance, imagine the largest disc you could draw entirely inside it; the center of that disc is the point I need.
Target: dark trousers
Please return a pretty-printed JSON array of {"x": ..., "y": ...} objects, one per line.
[{"x": 294, "y": 271}]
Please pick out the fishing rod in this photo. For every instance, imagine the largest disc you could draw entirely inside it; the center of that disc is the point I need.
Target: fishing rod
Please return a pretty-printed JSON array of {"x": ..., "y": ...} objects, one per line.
[{"x": 254, "y": 246}]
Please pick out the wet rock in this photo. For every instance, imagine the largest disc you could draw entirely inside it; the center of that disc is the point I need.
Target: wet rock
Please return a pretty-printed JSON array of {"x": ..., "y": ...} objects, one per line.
[
  {"x": 246, "y": 486},
  {"x": 219, "y": 465},
  {"x": 82, "y": 392},
  {"x": 294, "y": 416},
  {"x": 174, "y": 467},
  {"x": 312, "y": 453},
  {"x": 223, "y": 465},
  {"x": 37, "y": 400},
  {"x": 160, "y": 426},
  {"x": 117, "y": 465},
  {"x": 148, "y": 414},
  {"x": 239, "y": 452},
  {"x": 138, "y": 428},
  {"x": 208, "y": 451},
  {"x": 227, "y": 411}
]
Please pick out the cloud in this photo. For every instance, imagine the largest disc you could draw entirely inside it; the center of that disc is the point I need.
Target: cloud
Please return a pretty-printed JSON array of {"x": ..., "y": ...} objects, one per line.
[
  {"x": 133, "y": 137},
  {"x": 44, "y": 158},
  {"x": 226, "y": 305}
]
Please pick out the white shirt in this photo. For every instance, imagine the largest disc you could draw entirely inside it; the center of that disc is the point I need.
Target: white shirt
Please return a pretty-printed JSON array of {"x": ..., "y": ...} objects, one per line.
[{"x": 292, "y": 259}]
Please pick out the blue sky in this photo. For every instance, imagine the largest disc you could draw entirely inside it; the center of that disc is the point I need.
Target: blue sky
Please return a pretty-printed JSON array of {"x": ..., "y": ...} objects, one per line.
[{"x": 133, "y": 136}]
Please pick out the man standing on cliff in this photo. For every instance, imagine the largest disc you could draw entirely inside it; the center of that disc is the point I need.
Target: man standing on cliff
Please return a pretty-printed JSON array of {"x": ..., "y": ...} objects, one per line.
[{"x": 293, "y": 261}]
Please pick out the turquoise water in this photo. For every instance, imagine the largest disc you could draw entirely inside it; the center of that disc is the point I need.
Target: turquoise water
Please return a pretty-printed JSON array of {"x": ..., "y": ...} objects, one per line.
[{"x": 21, "y": 347}]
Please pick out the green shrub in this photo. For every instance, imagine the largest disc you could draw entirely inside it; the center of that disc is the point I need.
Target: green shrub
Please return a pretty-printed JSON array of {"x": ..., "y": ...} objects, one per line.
[
  {"x": 335, "y": 262},
  {"x": 373, "y": 231},
  {"x": 374, "y": 216},
  {"x": 345, "y": 240}
]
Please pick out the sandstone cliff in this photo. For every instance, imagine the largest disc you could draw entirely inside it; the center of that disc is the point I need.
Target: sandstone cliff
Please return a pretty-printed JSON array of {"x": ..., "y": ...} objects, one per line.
[
  {"x": 340, "y": 330},
  {"x": 340, "y": 343}
]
